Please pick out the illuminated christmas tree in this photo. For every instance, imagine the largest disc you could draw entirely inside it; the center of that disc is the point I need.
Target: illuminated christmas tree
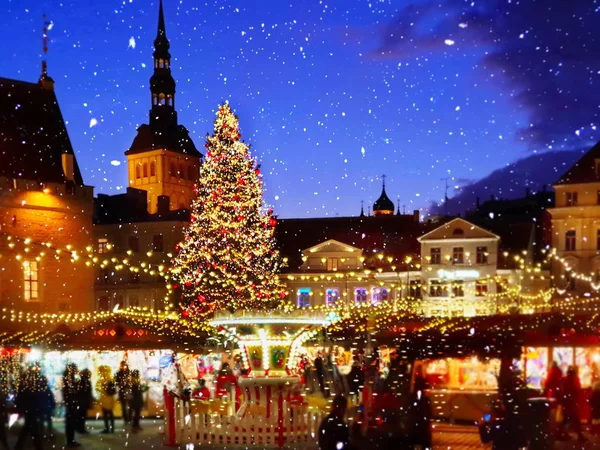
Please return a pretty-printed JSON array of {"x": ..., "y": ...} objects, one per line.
[{"x": 228, "y": 259}]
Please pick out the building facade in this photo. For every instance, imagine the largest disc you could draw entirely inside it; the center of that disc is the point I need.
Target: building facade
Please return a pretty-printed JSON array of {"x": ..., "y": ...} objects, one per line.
[
  {"x": 45, "y": 207},
  {"x": 576, "y": 223}
]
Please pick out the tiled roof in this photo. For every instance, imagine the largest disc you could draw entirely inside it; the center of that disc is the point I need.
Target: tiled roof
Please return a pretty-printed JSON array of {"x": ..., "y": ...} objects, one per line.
[{"x": 33, "y": 135}]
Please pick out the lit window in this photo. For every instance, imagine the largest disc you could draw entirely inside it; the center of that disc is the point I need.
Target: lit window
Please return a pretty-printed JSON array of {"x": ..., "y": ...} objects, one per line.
[
  {"x": 145, "y": 169},
  {"x": 482, "y": 255},
  {"x": 437, "y": 289},
  {"x": 157, "y": 243},
  {"x": 571, "y": 198},
  {"x": 102, "y": 245},
  {"x": 379, "y": 295},
  {"x": 360, "y": 295},
  {"x": 303, "y": 298},
  {"x": 152, "y": 169},
  {"x": 331, "y": 297},
  {"x": 332, "y": 264},
  {"x": 30, "y": 278},
  {"x": 458, "y": 255},
  {"x": 481, "y": 288},
  {"x": 436, "y": 255},
  {"x": 138, "y": 171},
  {"x": 570, "y": 241}
]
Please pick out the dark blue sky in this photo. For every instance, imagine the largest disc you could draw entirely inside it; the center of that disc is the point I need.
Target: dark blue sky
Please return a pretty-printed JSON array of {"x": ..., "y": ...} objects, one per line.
[{"x": 331, "y": 94}]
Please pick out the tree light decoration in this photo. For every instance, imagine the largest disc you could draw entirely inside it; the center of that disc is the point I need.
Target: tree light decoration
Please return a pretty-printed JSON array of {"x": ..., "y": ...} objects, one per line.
[{"x": 228, "y": 258}]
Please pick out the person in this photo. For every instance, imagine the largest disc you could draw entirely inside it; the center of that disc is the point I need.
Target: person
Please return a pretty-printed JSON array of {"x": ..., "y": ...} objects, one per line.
[
  {"x": 554, "y": 382},
  {"x": 123, "y": 381},
  {"x": 29, "y": 403},
  {"x": 420, "y": 414},
  {"x": 595, "y": 407},
  {"x": 3, "y": 415},
  {"x": 71, "y": 399},
  {"x": 320, "y": 369},
  {"x": 356, "y": 379},
  {"x": 570, "y": 403},
  {"x": 334, "y": 433},
  {"x": 48, "y": 407},
  {"x": 136, "y": 400},
  {"x": 107, "y": 389},
  {"x": 225, "y": 381},
  {"x": 202, "y": 392},
  {"x": 86, "y": 399}
]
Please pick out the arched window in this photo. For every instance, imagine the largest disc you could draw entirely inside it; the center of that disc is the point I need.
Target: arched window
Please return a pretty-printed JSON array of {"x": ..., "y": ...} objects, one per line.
[
  {"x": 138, "y": 171},
  {"x": 458, "y": 232},
  {"x": 152, "y": 169},
  {"x": 191, "y": 175},
  {"x": 181, "y": 171},
  {"x": 145, "y": 170},
  {"x": 172, "y": 171}
]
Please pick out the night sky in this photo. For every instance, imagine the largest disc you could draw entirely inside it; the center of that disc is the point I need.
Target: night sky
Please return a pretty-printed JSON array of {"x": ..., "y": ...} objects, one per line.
[{"x": 331, "y": 94}]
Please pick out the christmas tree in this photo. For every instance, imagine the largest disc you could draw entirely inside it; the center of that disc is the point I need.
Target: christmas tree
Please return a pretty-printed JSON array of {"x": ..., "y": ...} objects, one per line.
[{"x": 228, "y": 258}]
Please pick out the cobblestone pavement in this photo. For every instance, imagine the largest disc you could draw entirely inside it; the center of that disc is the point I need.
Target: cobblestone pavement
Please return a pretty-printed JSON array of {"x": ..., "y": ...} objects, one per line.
[{"x": 446, "y": 437}]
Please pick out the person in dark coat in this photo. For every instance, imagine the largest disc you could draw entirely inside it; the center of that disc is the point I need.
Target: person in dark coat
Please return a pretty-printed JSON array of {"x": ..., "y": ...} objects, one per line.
[
  {"x": 571, "y": 399},
  {"x": 420, "y": 415},
  {"x": 86, "y": 399},
  {"x": 356, "y": 379},
  {"x": 334, "y": 433},
  {"x": 3, "y": 416},
  {"x": 320, "y": 368},
  {"x": 47, "y": 411},
  {"x": 123, "y": 381},
  {"x": 29, "y": 403},
  {"x": 71, "y": 399},
  {"x": 136, "y": 400}
]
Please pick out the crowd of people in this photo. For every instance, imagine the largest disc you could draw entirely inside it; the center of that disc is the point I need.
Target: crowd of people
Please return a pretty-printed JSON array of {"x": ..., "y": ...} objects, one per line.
[{"x": 34, "y": 402}]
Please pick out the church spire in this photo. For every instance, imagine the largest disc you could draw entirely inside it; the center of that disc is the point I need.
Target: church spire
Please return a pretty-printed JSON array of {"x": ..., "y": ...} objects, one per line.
[
  {"x": 162, "y": 84},
  {"x": 45, "y": 80}
]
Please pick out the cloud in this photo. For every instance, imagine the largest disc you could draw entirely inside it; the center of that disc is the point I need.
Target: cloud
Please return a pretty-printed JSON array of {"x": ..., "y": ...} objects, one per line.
[{"x": 543, "y": 54}]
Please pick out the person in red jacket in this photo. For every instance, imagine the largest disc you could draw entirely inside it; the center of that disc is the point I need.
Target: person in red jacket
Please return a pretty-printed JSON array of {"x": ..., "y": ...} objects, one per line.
[
  {"x": 225, "y": 381},
  {"x": 554, "y": 382}
]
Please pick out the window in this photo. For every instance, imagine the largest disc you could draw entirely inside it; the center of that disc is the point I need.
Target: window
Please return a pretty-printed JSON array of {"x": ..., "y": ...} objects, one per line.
[
  {"x": 598, "y": 239},
  {"x": 134, "y": 277},
  {"x": 104, "y": 275},
  {"x": 145, "y": 170},
  {"x": 138, "y": 171},
  {"x": 332, "y": 264},
  {"x": 571, "y": 198},
  {"x": 181, "y": 172},
  {"x": 458, "y": 313},
  {"x": 331, "y": 297},
  {"x": 570, "y": 240},
  {"x": 152, "y": 169},
  {"x": 104, "y": 304},
  {"x": 481, "y": 288},
  {"x": 458, "y": 288},
  {"x": 134, "y": 301},
  {"x": 435, "y": 255},
  {"x": 30, "y": 280},
  {"x": 482, "y": 255},
  {"x": 172, "y": 170},
  {"x": 458, "y": 255},
  {"x": 134, "y": 244},
  {"x": 102, "y": 245},
  {"x": 415, "y": 289},
  {"x": 191, "y": 175},
  {"x": 303, "y": 297},
  {"x": 379, "y": 295},
  {"x": 437, "y": 289},
  {"x": 458, "y": 232},
  {"x": 157, "y": 243},
  {"x": 360, "y": 295}
]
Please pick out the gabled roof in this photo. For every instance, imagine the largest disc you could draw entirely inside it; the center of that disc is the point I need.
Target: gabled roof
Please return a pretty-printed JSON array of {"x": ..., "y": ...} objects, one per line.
[
  {"x": 333, "y": 246},
  {"x": 175, "y": 139},
  {"x": 33, "y": 135},
  {"x": 584, "y": 170},
  {"x": 449, "y": 231}
]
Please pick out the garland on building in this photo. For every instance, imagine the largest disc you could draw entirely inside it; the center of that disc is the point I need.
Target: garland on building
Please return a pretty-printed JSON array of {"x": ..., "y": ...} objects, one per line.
[{"x": 228, "y": 258}]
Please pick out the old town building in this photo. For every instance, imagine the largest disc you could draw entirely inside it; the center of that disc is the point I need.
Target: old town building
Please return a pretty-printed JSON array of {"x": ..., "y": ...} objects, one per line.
[
  {"x": 576, "y": 223},
  {"x": 163, "y": 159},
  {"x": 45, "y": 207}
]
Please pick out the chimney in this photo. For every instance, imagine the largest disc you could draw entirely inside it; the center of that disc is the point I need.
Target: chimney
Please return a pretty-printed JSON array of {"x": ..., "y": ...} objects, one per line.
[
  {"x": 68, "y": 166},
  {"x": 416, "y": 215},
  {"x": 163, "y": 204}
]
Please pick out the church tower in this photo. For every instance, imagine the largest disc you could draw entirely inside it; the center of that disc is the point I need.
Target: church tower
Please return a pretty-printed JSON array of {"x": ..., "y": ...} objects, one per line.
[{"x": 162, "y": 159}]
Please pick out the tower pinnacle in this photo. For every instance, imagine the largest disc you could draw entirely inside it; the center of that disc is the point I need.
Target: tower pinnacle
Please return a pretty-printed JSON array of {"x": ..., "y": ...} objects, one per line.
[{"x": 45, "y": 80}]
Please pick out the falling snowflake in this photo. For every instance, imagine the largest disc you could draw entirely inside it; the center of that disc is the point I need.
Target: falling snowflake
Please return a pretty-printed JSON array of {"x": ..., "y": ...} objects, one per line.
[
  {"x": 131, "y": 42},
  {"x": 93, "y": 122}
]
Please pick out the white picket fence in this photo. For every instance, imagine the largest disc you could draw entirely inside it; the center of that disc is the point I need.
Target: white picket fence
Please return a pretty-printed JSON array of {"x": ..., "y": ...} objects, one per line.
[{"x": 297, "y": 427}]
